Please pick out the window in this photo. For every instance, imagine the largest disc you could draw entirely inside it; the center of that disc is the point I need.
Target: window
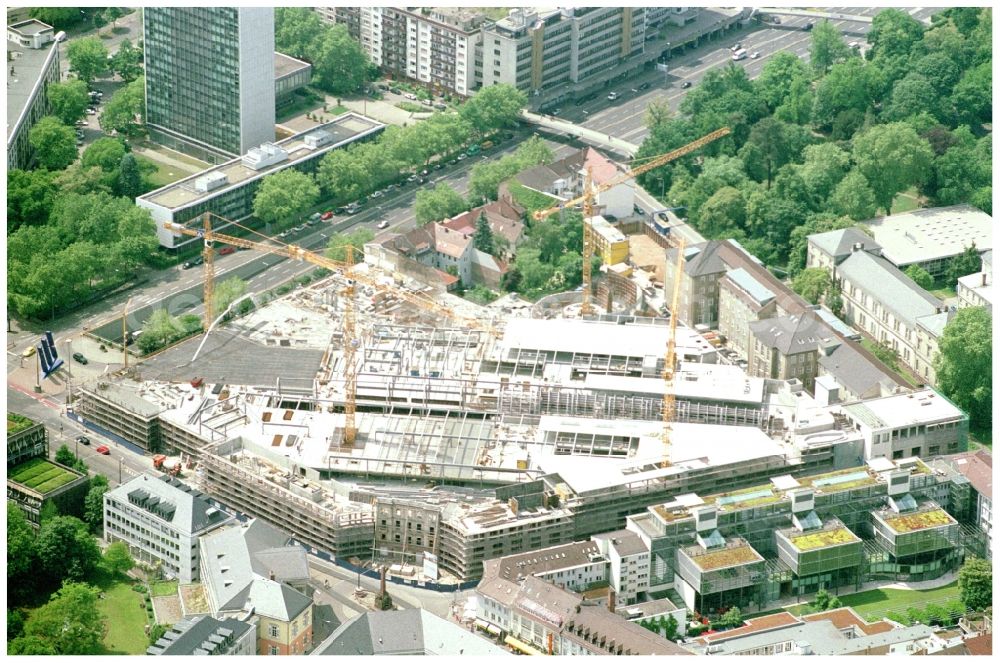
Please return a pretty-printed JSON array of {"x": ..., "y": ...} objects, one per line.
[
  {"x": 272, "y": 630},
  {"x": 273, "y": 651}
]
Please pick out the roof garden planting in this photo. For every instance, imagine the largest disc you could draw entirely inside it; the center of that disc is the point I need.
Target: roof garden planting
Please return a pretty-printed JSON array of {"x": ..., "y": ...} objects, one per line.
[
  {"x": 17, "y": 423},
  {"x": 748, "y": 497},
  {"x": 668, "y": 515},
  {"x": 833, "y": 482},
  {"x": 912, "y": 522},
  {"x": 726, "y": 557},
  {"x": 41, "y": 475},
  {"x": 824, "y": 539}
]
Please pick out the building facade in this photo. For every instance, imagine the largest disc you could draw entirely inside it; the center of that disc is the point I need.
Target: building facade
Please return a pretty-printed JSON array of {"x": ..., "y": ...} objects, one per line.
[
  {"x": 923, "y": 423},
  {"x": 977, "y": 289},
  {"x": 210, "y": 79},
  {"x": 228, "y": 190},
  {"x": 161, "y": 521},
  {"x": 206, "y": 636},
  {"x": 33, "y": 65}
]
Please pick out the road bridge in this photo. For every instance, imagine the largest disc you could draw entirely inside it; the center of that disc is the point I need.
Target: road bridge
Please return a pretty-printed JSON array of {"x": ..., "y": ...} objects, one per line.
[
  {"x": 589, "y": 135},
  {"x": 834, "y": 16}
]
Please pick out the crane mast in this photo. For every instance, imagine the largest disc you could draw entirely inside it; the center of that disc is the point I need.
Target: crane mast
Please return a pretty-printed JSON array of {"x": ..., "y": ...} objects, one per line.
[
  {"x": 670, "y": 360},
  {"x": 590, "y": 192}
]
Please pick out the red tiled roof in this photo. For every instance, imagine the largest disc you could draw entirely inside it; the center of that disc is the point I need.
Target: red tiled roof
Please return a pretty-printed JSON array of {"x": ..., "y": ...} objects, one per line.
[
  {"x": 757, "y": 625},
  {"x": 843, "y": 618},
  {"x": 981, "y": 645}
]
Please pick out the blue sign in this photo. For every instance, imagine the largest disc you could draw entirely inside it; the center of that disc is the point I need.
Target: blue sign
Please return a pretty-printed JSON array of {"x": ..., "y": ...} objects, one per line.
[{"x": 48, "y": 355}]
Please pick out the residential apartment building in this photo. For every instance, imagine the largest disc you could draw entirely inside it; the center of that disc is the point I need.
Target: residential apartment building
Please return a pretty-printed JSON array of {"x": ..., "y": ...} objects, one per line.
[
  {"x": 32, "y": 65},
  {"x": 204, "y": 635},
  {"x": 930, "y": 238},
  {"x": 743, "y": 300},
  {"x": 210, "y": 79},
  {"x": 254, "y": 571},
  {"x": 628, "y": 564},
  {"x": 434, "y": 46},
  {"x": 888, "y": 306},
  {"x": 977, "y": 289},
  {"x": 227, "y": 190},
  {"x": 161, "y": 520},
  {"x": 564, "y": 179},
  {"x": 541, "y": 49}
]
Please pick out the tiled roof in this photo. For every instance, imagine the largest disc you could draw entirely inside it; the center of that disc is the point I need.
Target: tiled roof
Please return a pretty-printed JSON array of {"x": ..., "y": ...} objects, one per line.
[
  {"x": 977, "y": 467},
  {"x": 541, "y": 178},
  {"x": 756, "y": 625},
  {"x": 450, "y": 242},
  {"x": 846, "y": 617},
  {"x": 839, "y": 243},
  {"x": 792, "y": 334}
]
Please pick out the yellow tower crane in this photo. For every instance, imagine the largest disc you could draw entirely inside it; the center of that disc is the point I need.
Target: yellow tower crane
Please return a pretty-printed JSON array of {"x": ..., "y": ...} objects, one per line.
[
  {"x": 590, "y": 191},
  {"x": 670, "y": 360},
  {"x": 346, "y": 267}
]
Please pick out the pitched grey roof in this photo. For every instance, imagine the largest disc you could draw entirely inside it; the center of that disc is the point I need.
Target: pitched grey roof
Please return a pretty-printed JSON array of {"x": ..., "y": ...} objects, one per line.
[
  {"x": 936, "y": 322},
  {"x": 275, "y": 599},
  {"x": 400, "y": 632},
  {"x": 889, "y": 286},
  {"x": 613, "y": 631},
  {"x": 856, "y": 369},
  {"x": 701, "y": 259},
  {"x": 792, "y": 334},
  {"x": 192, "y": 636},
  {"x": 839, "y": 243},
  {"x": 174, "y": 502}
]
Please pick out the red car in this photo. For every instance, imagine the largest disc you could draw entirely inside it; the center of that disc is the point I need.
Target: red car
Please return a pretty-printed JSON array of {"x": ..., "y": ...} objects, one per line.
[
  {"x": 327, "y": 216},
  {"x": 226, "y": 250},
  {"x": 103, "y": 450}
]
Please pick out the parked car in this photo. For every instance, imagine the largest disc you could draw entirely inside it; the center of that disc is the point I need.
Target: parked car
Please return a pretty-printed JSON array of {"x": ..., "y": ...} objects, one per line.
[
  {"x": 28, "y": 352},
  {"x": 644, "y": 86},
  {"x": 452, "y": 162},
  {"x": 312, "y": 222},
  {"x": 421, "y": 180},
  {"x": 473, "y": 150},
  {"x": 634, "y": 90},
  {"x": 410, "y": 96},
  {"x": 383, "y": 224},
  {"x": 441, "y": 106},
  {"x": 84, "y": 440},
  {"x": 227, "y": 250},
  {"x": 326, "y": 216},
  {"x": 103, "y": 450},
  {"x": 316, "y": 216},
  {"x": 298, "y": 229},
  {"x": 612, "y": 96},
  {"x": 425, "y": 172},
  {"x": 412, "y": 178},
  {"x": 808, "y": 26},
  {"x": 735, "y": 47},
  {"x": 79, "y": 358},
  {"x": 755, "y": 55},
  {"x": 487, "y": 144},
  {"x": 91, "y": 111},
  {"x": 353, "y": 208},
  {"x": 394, "y": 90},
  {"x": 555, "y": 111},
  {"x": 461, "y": 156},
  {"x": 685, "y": 85},
  {"x": 377, "y": 194}
]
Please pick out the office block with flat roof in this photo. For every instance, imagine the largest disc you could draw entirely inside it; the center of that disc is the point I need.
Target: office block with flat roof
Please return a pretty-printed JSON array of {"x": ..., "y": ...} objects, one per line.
[{"x": 210, "y": 78}]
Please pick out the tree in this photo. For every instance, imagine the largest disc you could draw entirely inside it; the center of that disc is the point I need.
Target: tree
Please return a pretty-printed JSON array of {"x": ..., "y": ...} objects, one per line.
[
  {"x": 71, "y": 622},
  {"x": 782, "y": 69},
  {"x": 127, "y": 61},
  {"x": 156, "y": 632},
  {"x": 920, "y": 276},
  {"x": 93, "y": 503},
  {"x": 227, "y": 292},
  {"x": 66, "y": 550},
  {"x": 834, "y": 299},
  {"x": 79, "y": 180},
  {"x": 892, "y": 157},
  {"x": 54, "y": 143},
  {"x": 823, "y": 168},
  {"x": 723, "y": 214},
  {"x": 965, "y": 263},
  {"x": 853, "y": 197},
  {"x": 823, "y": 601},
  {"x": 68, "y": 100},
  {"x": 798, "y": 105},
  {"x": 336, "y": 249},
  {"x": 894, "y": 33},
  {"x": 126, "y": 109},
  {"x": 22, "y": 554},
  {"x": 972, "y": 96},
  {"x": 771, "y": 144},
  {"x": 487, "y": 177},
  {"x": 30, "y": 195},
  {"x": 159, "y": 329},
  {"x": 850, "y": 85},
  {"x": 483, "y": 237},
  {"x": 912, "y": 95},
  {"x": 342, "y": 175},
  {"x": 130, "y": 183},
  {"x": 340, "y": 66},
  {"x": 117, "y": 559},
  {"x": 105, "y": 153},
  {"x": 65, "y": 456},
  {"x": 88, "y": 58},
  {"x": 112, "y": 14},
  {"x": 30, "y": 645},
  {"x": 812, "y": 284},
  {"x": 670, "y": 628},
  {"x": 296, "y": 30},
  {"x": 964, "y": 364},
  {"x": 441, "y": 202},
  {"x": 493, "y": 107},
  {"x": 975, "y": 583},
  {"x": 885, "y": 354},
  {"x": 285, "y": 196},
  {"x": 962, "y": 170},
  {"x": 732, "y": 618},
  {"x": 58, "y": 17},
  {"x": 827, "y": 47}
]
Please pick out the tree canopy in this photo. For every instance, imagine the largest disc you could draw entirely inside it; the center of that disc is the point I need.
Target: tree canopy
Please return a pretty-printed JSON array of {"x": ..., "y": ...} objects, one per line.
[
  {"x": 68, "y": 100},
  {"x": 337, "y": 247},
  {"x": 54, "y": 143},
  {"x": 493, "y": 107},
  {"x": 284, "y": 197},
  {"x": 126, "y": 110},
  {"x": 70, "y": 623},
  {"x": 964, "y": 365},
  {"x": 437, "y": 204},
  {"x": 88, "y": 58},
  {"x": 975, "y": 583}
]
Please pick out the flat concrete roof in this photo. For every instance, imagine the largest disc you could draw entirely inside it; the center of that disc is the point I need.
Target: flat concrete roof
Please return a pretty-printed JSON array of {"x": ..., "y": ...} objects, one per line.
[
  {"x": 599, "y": 338},
  {"x": 931, "y": 234},
  {"x": 285, "y": 65},
  {"x": 693, "y": 380},
  {"x": 901, "y": 410},
  {"x": 28, "y": 68},
  {"x": 182, "y": 193}
]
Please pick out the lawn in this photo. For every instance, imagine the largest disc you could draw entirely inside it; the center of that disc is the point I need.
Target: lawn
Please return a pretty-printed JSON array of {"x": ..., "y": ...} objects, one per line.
[
  {"x": 168, "y": 588},
  {"x": 905, "y": 202},
  {"x": 41, "y": 475},
  {"x": 159, "y": 174},
  {"x": 875, "y": 603},
  {"x": 126, "y": 620}
]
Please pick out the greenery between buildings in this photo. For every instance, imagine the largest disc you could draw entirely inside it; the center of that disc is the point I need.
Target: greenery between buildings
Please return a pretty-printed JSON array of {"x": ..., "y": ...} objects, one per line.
[{"x": 17, "y": 423}]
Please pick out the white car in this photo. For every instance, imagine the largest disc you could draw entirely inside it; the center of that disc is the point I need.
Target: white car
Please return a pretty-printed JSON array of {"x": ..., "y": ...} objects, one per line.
[
  {"x": 383, "y": 224},
  {"x": 612, "y": 96},
  {"x": 755, "y": 55}
]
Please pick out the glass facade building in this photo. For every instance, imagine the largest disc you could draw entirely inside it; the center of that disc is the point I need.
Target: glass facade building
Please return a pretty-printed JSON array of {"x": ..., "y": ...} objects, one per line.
[{"x": 210, "y": 78}]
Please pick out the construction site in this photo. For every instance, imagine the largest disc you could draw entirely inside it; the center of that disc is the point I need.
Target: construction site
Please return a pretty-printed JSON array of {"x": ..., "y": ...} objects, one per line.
[{"x": 378, "y": 419}]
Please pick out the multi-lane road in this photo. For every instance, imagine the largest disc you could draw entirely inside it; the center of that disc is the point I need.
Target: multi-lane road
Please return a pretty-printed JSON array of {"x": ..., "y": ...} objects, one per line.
[{"x": 625, "y": 119}]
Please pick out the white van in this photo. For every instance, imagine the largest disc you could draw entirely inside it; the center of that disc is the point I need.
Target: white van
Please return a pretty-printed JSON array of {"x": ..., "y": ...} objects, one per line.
[{"x": 739, "y": 54}]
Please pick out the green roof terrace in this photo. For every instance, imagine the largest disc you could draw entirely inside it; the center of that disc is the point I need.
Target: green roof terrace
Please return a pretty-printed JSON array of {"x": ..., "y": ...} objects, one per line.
[
  {"x": 827, "y": 538},
  {"x": 737, "y": 553},
  {"x": 834, "y": 482},
  {"x": 745, "y": 498},
  {"x": 42, "y": 476},
  {"x": 903, "y": 523},
  {"x": 17, "y": 423}
]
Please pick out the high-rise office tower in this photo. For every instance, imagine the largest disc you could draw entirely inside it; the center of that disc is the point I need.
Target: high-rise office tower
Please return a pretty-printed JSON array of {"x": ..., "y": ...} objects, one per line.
[{"x": 210, "y": 78}]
